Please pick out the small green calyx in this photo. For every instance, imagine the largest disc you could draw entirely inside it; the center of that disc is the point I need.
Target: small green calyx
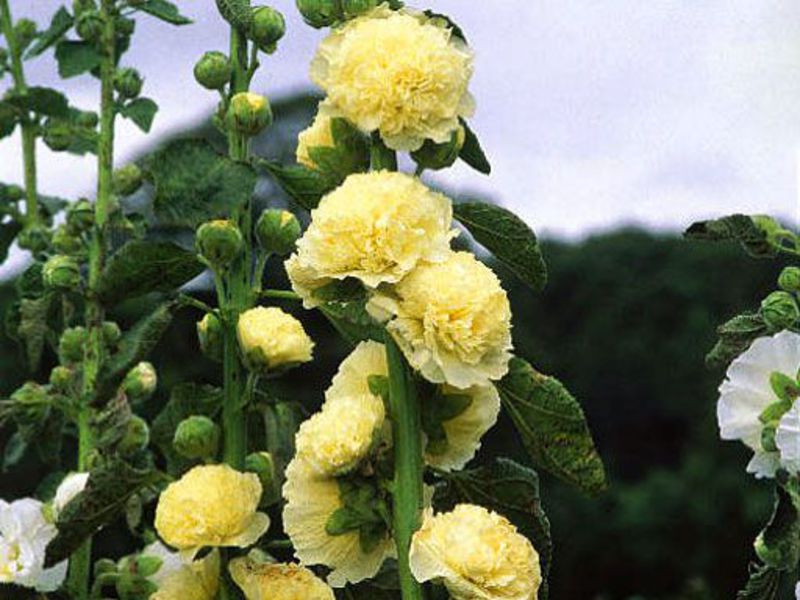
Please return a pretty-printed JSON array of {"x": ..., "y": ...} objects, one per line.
[
  {"x": 80, "y": 216},
  {"x": 136, "y": 438},
  {"x": 277, "y": 231},
  {"x": 768, "y": 438},
  {"x": 14, "y": 193},
  {"x": 128, "y": 83},
  {"x": 213, "y": 71},
  {"x": 31, "y": 404},
  {"x": 249, "y": 113},
  {"x": 220, "y": 242},
  {"x": 104, "y": 566},
  {"x": 61, "y": 378},
  {"x": 111, "y": 334},
  {"x": 379, "y": 386},
  {"x": 62, "y": 273},
  {"x": 71, "y": 345},
  {"x": 210, "y": 336},
  {"x": 363, "y": 510},
  {"x": 354, "y": 8},
  {"x": 780, "y": 310},
  {"x": 440, "y": 156},
  {"x": 24, "y": 31},
  {"x": 785, "y": 388},
  {"x": 127, "y": 180},
  {"x": 66, "y": 241},
  {"x": 196, "y": 438},
  {"x": 267, "y": 28},
  {"x": 263, "y": 465},
  {"x": 57, "y": 134},
  {"x": 320, "y": 13},
  {"x": 789, "y": 280},
  {"x": 140, "y": 382},
  {"x": 89, "y": 26},
  {"x": 35, "y": 238}
]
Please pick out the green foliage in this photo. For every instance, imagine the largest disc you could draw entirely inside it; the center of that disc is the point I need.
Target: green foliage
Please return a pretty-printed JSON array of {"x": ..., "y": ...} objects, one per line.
[
  {"x": 141, "y": 111},
  {"x": 778, "y": 545},
  {"x": 472, "y": 153},
  {"x": 764, "y": 584},
  {"x": 59, "y": 25},
  {"x": 41, "y": 100},
  {"x": 303, "y": 185},
  {"x": 164, "y": 10},
  {"x": 351, "y": 321},
  {"x": 737, "y": 228},
  {"x": 76, "y": 58},
  {"x": 735, "y": 336}
]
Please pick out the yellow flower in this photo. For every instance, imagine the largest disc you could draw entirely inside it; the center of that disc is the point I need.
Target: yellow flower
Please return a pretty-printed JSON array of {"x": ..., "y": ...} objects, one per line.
[
  {"x": 211, "y": 505},
  {"x": 270, "y": 339},
  {"x": 311, "y": 499},
  {"x": 352, "y": 378},
  {"x": 479, "y": 555},
  {"x": 465, "y": 431},
  {"x": 451, "y": 319},
  {"x": 397, "y": 72},
  {"x": 375, "y": 227},
  {"x": 178, "y": 580},
  {"x": 277, "y": 581},
  {"x": 318, "y": 135}
]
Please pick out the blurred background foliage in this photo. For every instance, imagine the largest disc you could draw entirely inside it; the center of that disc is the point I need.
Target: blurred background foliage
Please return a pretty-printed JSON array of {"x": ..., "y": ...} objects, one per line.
[{"x": 625, "y": 322}]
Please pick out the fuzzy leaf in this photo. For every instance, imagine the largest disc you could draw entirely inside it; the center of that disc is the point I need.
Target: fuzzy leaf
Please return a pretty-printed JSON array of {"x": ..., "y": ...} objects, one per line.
[
  {"x": 194, "y": 184},
  {"x": 141, "y": 111},
  {"x": 735, "y": 337},
  {"x": 472, "y": 153},
  {"x": 236, "y": 12},
  {"x": 508, "y": 238},
  {"x": 303, "y": 185},
  {"x": 738, "y": 228},
  {"x": 778, "y": 545},
  {"x": 764, "y": 584},
  {"x": 349, "y": 155},
  {"x": 59, "y": 25},
  {"x": 8, "y": 233},
  {"x": 143, "y": 266},
  {"x": 75, "y": 58},
  {"x": 9, "y": 117},
  {"x": 34, "y": 313},
  {"x": 552, "y": 426},
  {"x": 42, "y": 100},
  {"x": 352, "y": 321},
  {"x": 164, "y": 10}
]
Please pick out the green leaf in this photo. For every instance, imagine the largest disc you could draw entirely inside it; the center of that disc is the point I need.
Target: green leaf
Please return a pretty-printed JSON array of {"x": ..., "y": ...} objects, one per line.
[
  {"x": 472, "y": 153},
  {"x": 144, "y": 266},
  {"x": 457, "y": 31},
  {"x": 508, "y": 238},
  {"x": 778, "y": 545},
  {"x": 75, "y": 58},
  {"x": 33, "y": 327},
  {"x": 194, "y": 184},
  {"x": 738, "y": 228},
  {"x": 134, "y": 347},
  {"x": 352, "y": 321},
  {"x": 186, "y": 399},
  {"x": 9, "y": 117},
  {"x": 141, "y": 111},
  {"x": 764, "y": 584},
  {"x": 104, "y": 499},
  {"x": 236, "y": 12},
  {"x": 506, "y": 488},
  {"x": 735, "y": 337},
  {"x": 42, "y": 100},
  {"x": 349, "y": 155},
  {"x": 14, "y": 452},
  {"x": 552, "y": 426},
  {"x": 166, "y": 11},
  {"x": 305, "y": 186},
  {"x": 8, "y": 233},
  {"x": 59, "y": 25},
  {"x": 112, "y": 423}
]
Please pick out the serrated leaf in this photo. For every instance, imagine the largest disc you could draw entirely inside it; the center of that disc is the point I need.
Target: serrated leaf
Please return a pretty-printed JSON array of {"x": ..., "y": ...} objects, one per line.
[
  {"x": 764, "y": 584},
  {"x": 194, "y": 184},
  {"x": 508, "y": 238},
  {"x": 303, "y": 185},
  {"x": 472, "y": 153},
  {"x": 103, "y": 500},
  {"x": 352, "y": 321},
  {"x": 59, "y": 25},
  {"x": 141, "y": 111},
  {"x": 509, "y": 489},
  {"x": 33, "y": 327},
  {"x": 134, "y": 347},
  {"x": 42, "y": 100},
  {"x": 166, "y": 11},
  {"x": 737, "y": 228},
  {"x": 75, "y": 58},
  {"x": 778, "y": 545},
  {"x": 552, "y": 426},
  {"x": 735, "y": 337},
  {"x": 144, "y": 266}
]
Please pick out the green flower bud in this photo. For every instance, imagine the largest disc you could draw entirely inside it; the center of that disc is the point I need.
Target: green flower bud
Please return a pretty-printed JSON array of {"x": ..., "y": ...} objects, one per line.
[
  {"x": 267, "y": 28},
  {"x": 25, "y": 31},
  {"x": 57, "y": 134},
  {"x": 80, "y": 215},
  {"x": 14, "y": 192},
  {"x": 219, "y": 242},
  {"x": 780, "y": 310},
  {"x": 354, "y": 8},
  {"x": 136, "y": 437},
  {"x": 320, "y": 13},
  {"x": 104, "y": 566},
  {"x": 133, "y": 586},
  {"x": 249, "y": 113},
  {"x": 81, "y": 6},
  {"x": 196, "y": 438},
  {"x": 140, "y": 383},
  {"x": 61, "y": 378},
  {"x": 61, "y": 273},
  {"x": 89, "y": 26},
  {"x": 210, "y": 335},
  {"x": 35, "y": 238},
  {"x": 71, "y": 345},
  {"x": 128, "y": 82},
  {"x": 213, "y": 71},
  {"x": 66, "y": 242},
  {"x": 31, "y": 404},
  {"x": 440, "y": 156},
  {"x": 124, "y": 27},
  {"x": 277, "y": 231},
  {"x": 263, "y": 465},
  {"x": 87, "y": 118},
  {"x": 789, "y": 279},
  {"x": 127, "y": 180},
  {"x": 111, "y": 333}
]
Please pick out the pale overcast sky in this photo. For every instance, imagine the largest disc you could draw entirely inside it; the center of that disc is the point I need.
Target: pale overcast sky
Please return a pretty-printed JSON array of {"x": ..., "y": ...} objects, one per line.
[{"x": 593, "y": 113}]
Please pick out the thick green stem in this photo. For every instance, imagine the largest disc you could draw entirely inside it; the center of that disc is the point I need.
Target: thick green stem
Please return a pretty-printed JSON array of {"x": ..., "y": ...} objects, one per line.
[
  {"x": 407, "y": 485},
  {"x": 28, "y": 126}
]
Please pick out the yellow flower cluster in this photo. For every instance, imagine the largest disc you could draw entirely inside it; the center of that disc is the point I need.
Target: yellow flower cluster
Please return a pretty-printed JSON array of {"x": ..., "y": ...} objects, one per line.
[
  {"x": 211, "y": 505},
  {"x": 478, "y": 554},
  {"x": 376, "y": 227},
  {"x": 278, "y": 581},
  {"x": 272, "y": 339},
  {"x": 397, "y": 72},
  {"x": 318, "y": 135},
  {"x": 178, "y": 580}
]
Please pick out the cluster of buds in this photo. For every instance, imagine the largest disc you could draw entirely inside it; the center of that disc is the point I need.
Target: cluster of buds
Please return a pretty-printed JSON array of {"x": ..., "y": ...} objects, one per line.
[
  {"x": 325, "y": 13},
  {"x": 780, "y": 309}
]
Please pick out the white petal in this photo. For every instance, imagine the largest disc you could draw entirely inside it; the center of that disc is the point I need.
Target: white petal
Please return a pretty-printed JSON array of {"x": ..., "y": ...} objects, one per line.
[
  {"x": 51, "y": 579},
  {"x": 764, "y": 464},
  {"x": 72, "y": 485}
]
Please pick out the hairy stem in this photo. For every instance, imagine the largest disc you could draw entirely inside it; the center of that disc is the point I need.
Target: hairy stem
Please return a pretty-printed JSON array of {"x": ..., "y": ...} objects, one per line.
[{"x": 28, "y": 126}]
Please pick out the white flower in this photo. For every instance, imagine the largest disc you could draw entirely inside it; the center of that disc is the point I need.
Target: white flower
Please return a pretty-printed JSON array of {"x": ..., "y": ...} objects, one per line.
[
  {"x": 72, "y": 485},
  {"x": 24, "y": 535},
  {"x": 746, "y": 392}
]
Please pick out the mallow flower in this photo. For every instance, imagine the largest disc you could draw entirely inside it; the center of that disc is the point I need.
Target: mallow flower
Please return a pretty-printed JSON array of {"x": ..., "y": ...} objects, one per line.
[
  {"x": 181, "y": 580},
  {"x": 277, "y": 581},
  {"x": 271, "y": 339}
]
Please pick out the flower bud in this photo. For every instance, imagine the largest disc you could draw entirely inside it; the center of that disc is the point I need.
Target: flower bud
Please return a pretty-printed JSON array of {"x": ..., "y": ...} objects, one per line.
[
  {"x": 66, "y": 242},
  {"x": 128, "y": 82},
  {"x": 780, "y": 310},
  {"x": 136, "y": 438},
  {"x": 277, "y": 231},
  {"x": 440, "y": 156},
  {"x": 272, "y": 340},
  {"x": 61, "y": 273},
  {"x": 14, "y": 193},
  {"x": 263, "y": 465},
  {"x": 209, "y": 333},
  {"x": 267, "y": 28},
  {"x": 320, "y": 13},
  {"x": 104, "y": 566},
  {"x": 196, "y": 438},
  {"x": 31, "y": 404},
  {"x": 87, "y": 118},
  {"x": 354, "y": 8},
  {"x": 35, "y": 238},
  {"x": 789, "y": 279},
  {"x": 80, "y": 215},
  {"x": 140, "y": 383},
  {"x": 249, "y": 113},
  {"x": 111, "y": 333},
  {"x": 89, "y": 26},
  {"x": 25, "y": 31},
  {"x": 213, "y": 71},
  {"x": 71, "y": 345},
  {"x": 81, "y": 6},
  {"x": 124, "y": 27},
  {"x": 57, "y": 135},
  {"x": 61, "y": 378},
  {"x": 219, "y": 242},
  {"x": 127, "y": 180}
]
